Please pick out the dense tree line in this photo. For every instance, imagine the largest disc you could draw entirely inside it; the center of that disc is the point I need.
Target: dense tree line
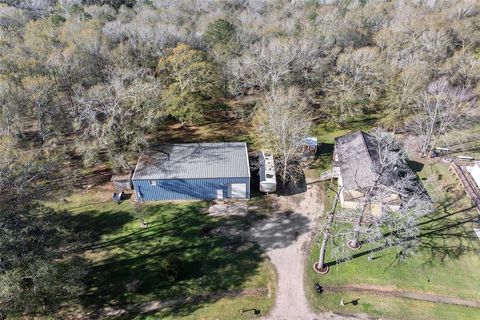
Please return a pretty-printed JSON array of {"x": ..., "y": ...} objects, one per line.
[
  {"x": 106, "y": 74},
  {"x": 39, "y": 267},
  {"x": 111, "y": 71}
]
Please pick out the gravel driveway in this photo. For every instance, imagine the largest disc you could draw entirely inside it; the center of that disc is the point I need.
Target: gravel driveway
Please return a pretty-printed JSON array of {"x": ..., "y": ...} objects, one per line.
[{"x": 285, "y": 238}]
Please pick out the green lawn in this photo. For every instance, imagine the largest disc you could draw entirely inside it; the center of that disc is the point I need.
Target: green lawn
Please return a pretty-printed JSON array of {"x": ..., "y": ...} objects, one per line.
[
  {"x": 392, "y": 308},
  {"x": 327, "y": 132},
  {"x": 469, "y": 148},
  {"x": 121, "y": 253},
  {"x": 447, "y": 262},
  {"x": 225, "y": 308}
]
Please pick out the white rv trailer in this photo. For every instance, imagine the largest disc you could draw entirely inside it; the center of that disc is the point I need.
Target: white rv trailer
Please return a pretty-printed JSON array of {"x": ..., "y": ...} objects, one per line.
[{"x": 268, "y": 182}]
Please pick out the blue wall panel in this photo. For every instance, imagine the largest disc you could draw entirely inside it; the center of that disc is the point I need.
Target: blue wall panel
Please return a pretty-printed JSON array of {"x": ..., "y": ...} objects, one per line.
[{"x": 186, "y": 189}]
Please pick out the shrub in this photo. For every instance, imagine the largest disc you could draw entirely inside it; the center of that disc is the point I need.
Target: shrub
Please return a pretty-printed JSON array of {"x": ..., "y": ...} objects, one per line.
[
  {"x": 172, "y": 267},
  {"x": 133, "y": 285}
]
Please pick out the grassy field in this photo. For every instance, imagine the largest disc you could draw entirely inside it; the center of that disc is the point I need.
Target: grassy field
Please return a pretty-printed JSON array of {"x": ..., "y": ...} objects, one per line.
[
  {"x": 182, "y": 253},
  {"x": 327, "y": 132},
  {"x": 468, "y": 143},
  {"x": 447, "y": 262},
  {"x": 393, "y": 308},
  {"x": 225, "y": 308}
]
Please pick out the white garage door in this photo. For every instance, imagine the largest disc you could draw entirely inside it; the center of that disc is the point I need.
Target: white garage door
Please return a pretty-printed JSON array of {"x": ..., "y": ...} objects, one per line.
[{"x": 239, "y": 190}]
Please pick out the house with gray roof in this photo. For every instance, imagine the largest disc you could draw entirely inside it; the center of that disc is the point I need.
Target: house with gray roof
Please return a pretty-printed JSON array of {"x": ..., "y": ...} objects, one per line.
[
  {"x": 356, "y": 165},
  {"x": 193, "y": 171}
]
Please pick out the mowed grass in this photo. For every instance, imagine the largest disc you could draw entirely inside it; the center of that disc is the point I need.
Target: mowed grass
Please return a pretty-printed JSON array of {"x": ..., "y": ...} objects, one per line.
[
  {"x": 327, "y": 132},
  {"x": 224, "y": 308},
  {"x": 464, "y": 142},
  {"x": 447, "y": 262},
  {"x": 393, "y": 308},
  {"x": 210, "y": 260}
]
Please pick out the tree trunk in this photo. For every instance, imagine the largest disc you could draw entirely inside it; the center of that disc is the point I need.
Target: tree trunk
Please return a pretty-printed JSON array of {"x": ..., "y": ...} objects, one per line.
[
  {"x": 356, "y": 234},
  {"x": 430, "y": 133},
  {"x": 284, "y": 173},
  {"x": 354, "y": 243},
  {"x": 326, "y": 232},
  {"x": 433, "y": 145}
]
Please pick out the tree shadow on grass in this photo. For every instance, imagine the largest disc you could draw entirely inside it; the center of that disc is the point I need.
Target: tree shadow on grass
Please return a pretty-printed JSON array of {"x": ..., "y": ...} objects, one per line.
[
  {"x": 415, "y": 165},
  {"x": 92, "y": 224},
  {"x": 280, "y": 231},
  {"x": 449, "y": 235},
  {"x": 445, "y": 233},
  {"x": 212, "y": 253}
]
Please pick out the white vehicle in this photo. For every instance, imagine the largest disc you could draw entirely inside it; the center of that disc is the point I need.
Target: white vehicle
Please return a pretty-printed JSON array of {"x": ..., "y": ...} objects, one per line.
[{"x": 268, "y": 182}]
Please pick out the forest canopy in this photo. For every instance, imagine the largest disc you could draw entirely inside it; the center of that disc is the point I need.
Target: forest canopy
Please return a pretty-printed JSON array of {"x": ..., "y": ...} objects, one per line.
[
  {"x": 92, "y": 80},
  {"x": 112, "y": 71}
]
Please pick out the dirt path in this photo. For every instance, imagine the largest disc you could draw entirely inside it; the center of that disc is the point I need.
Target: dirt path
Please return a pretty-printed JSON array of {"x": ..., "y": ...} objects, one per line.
[
  {"x": 286, "y": 237},
  {"x": 378, "y": 290},
  {"x": 291, "y": 302},
  {"x": 156, "y": 305}
]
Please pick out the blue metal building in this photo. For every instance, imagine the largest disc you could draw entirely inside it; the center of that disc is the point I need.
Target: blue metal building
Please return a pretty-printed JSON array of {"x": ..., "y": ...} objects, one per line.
[{"x": 193, "y": 171}]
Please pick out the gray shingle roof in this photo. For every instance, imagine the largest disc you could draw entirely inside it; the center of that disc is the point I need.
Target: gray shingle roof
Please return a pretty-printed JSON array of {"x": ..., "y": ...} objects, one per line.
[
  {"x": 194, "y": 160},
  {"x": 357, "y": 159}
]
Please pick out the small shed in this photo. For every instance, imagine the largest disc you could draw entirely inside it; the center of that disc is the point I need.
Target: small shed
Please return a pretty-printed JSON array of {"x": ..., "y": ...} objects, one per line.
[
  {"x": 122, "y": 181},
  {"x": 193, "y": 171},
  {"x": 310, "y": 145}
]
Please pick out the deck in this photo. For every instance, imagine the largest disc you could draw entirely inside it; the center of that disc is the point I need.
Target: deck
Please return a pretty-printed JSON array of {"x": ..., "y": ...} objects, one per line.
[{"x": 468, "y": 183}]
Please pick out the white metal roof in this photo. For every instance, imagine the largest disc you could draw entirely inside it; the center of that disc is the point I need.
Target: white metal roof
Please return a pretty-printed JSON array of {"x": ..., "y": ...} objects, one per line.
[
  {"x": 194, "y": 161},
  {"x": 475, "y": 172}
]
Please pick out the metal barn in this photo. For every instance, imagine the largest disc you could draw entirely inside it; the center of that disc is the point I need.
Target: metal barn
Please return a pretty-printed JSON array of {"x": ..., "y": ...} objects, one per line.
[{"x": 193, "y": 171}]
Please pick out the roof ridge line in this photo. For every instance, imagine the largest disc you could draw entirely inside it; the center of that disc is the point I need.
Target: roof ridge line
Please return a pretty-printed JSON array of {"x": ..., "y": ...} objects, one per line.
[{"x": 368, "y": 151}]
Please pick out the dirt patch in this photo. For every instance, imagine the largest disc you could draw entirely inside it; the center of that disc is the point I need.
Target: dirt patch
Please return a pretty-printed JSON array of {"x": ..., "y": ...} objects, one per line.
[
  {"x": 228, "y": 208},
  {"x": 309, "y": 203},
  {"x": 222, "y": 127},
  {"x": 284, "y": 236}
]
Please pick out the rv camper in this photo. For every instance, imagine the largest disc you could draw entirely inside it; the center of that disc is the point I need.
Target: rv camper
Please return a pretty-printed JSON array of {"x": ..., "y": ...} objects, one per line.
[{"x": 268, "y": 182}]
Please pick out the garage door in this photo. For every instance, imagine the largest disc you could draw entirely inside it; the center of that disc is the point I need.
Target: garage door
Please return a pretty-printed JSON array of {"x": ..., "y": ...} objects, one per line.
[{"x": 239, "y": 190}]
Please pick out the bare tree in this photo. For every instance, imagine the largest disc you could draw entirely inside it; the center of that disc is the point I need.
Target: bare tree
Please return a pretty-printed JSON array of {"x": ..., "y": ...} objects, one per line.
[
  {"x": 115, "y": 117},
  {"x": 265, "y": 65},
  {"x": 355, "y": 84},
  {"x": 327, "y": 231},
  {"x": 441, "y": 110},
  {"x": 397, "y": 196},
  {"x": 392, "y": 227},
  {"x": 12, "y": 108},
  {"x": 403, "y": 89},
  {"x": 47, "y": 111},
  {"x": 282, "y": 122}
]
